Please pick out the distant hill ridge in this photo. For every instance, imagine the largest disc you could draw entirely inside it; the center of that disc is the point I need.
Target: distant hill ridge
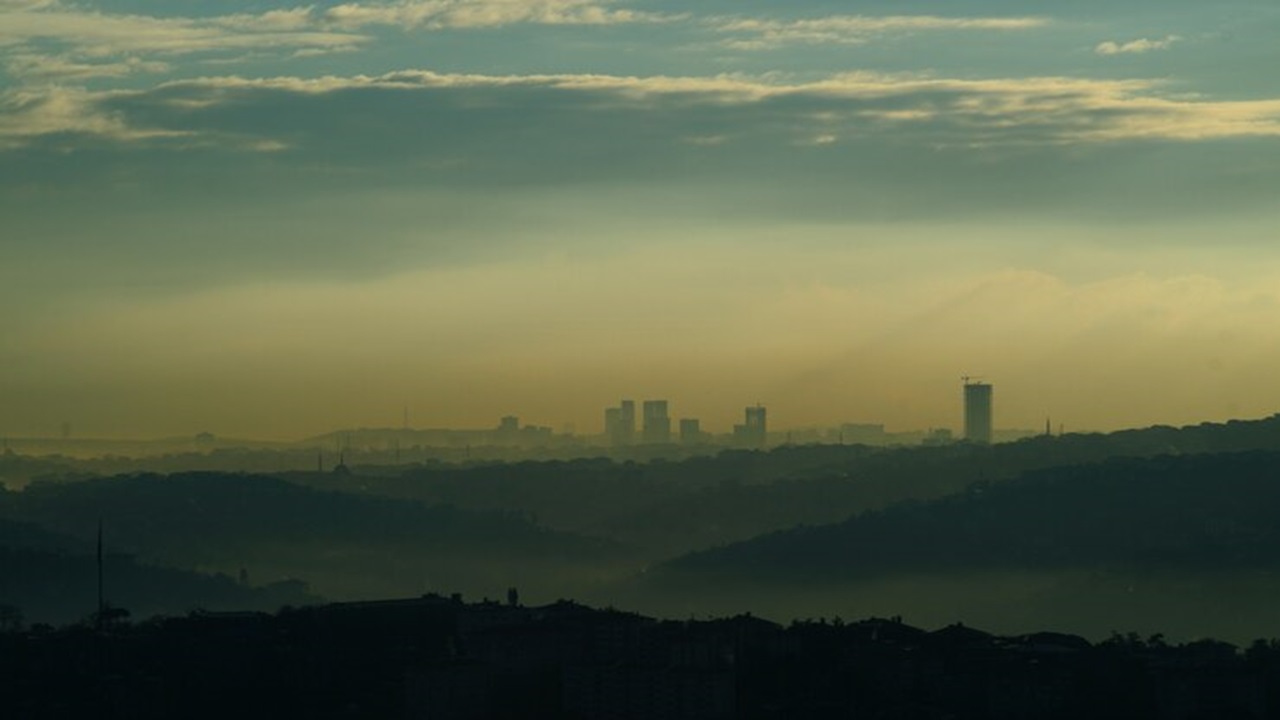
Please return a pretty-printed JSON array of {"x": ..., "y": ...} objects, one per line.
[
  {"x": 1207, "y": 510},
  {"x": 345, "y": 544}
]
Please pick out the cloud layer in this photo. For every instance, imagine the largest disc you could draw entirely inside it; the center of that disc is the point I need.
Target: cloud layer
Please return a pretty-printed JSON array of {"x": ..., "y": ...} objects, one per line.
[
  {"x": 441, "y": 14},
  {"x": 845, "y": 107},
  {"x": 756, "y": 33}
]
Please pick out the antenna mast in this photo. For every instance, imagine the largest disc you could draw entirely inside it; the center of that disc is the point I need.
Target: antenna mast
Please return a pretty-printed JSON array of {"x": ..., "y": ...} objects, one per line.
[{"x": 102, "y": 605}]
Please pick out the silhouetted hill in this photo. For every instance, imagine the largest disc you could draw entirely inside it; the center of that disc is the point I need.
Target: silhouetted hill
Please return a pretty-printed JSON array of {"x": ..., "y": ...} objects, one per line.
[
  {"x": 1198, "y": 511},
  {"x": 59, "y": 587},
  {"x": 345, "y": 544},
  {"x": 670, "y": 508},
  {"x": 17, "y": 534},
  {"x": 384, "y": 531},
  {"x": 17, "y": 470},
  {"x": 1188, "y": 545},
  {"x": 431, "y": 657},
  {"x": 52, "y": 578}
]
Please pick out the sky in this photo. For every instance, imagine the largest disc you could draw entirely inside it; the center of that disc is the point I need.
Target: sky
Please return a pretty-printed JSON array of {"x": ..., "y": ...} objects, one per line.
[{"x": 273, "y": 220}]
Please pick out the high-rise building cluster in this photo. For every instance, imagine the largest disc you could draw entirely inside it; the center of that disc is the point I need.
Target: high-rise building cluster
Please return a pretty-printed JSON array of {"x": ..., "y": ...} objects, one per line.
[
  {"x": 620, "y": 424},
  {"x": 651, "y": 425},
  {"x": 656, "y": 426},
  {"x": 753, "y": 432}
]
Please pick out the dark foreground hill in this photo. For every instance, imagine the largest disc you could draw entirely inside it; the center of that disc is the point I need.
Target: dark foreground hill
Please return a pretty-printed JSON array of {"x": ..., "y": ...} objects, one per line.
[{"x": 432, "y": 657}]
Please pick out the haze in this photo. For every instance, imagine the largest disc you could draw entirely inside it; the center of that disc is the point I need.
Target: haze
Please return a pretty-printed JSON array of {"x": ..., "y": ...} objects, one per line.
[{"x": 261, "y": 219}]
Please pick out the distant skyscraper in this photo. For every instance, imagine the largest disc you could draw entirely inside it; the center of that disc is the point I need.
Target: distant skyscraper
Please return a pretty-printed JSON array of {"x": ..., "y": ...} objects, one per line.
[
  {"x": 977, "y": 412},
  {"x": 620, "y": 423},
  {"x": 657, "y": 425},
  {"x": 690, "y": 431},
  {"x": 628, "y": 420},
  {"x": 754, "y": 432}
]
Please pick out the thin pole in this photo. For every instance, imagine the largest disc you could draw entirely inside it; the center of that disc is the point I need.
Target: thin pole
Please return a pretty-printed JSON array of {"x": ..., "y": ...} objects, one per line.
[{"x": 101, "y": 601}]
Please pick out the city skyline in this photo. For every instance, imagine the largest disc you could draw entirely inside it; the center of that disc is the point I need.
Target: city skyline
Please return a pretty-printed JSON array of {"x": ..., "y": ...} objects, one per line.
[
  {"x": 622, "y": 425},
  {"x": 271, "y": 219},
  {"x": 658, "y": 426}
]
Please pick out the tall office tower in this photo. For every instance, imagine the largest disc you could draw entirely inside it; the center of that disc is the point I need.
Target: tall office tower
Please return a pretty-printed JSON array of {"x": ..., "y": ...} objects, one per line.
[
  {"x": 755, "y": 430},
  {"x": 657, "y": 426},
  {"x": 977, "y": 412},
  {"x": 690, "y": 431},
  {"x": 628, "y": 431}
]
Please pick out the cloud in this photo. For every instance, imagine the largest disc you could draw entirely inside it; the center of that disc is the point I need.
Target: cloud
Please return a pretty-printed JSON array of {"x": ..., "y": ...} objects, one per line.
[
  {"x": 1135, "y": 47},
  {"x": 78, "y": 40},
  {"x": 756, "y": 33},
  {"x": 1035, "y": 109},
  {"x": 48, "y": 40},
  {"x": 52, "y": 111},
  {"x": 912, "y": 108},
  {"x": 67, "y": 67},
  {"x": 291, "y": 19},
  {"x": 438, "y": 14},
  {"x": 885, "y": 140}
]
